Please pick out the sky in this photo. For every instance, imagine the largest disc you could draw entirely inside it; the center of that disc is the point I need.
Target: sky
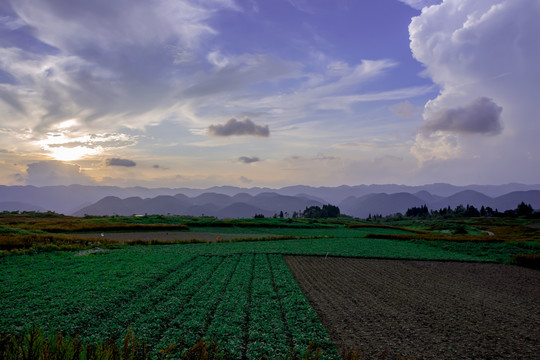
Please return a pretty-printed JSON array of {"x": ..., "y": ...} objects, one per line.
[{"x": 199, "y": 93}]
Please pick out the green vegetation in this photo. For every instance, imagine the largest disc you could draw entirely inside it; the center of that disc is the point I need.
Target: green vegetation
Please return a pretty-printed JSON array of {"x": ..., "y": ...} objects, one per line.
[
  {"x": 165, "y": 295},
  {"x": 232, "y": 297}
]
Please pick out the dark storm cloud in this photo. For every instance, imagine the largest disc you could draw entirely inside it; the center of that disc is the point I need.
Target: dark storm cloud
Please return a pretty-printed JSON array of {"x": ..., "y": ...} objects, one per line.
[
  {"x": 481, "y": 116},
  {"x": 248, "y": 160},
  {"x": 235, "y": 127},
  {"x": 120, "y": 162}
]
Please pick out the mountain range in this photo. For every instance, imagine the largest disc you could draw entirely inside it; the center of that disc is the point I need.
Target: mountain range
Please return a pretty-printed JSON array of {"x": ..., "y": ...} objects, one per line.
[{"x": 234, "y": 202}]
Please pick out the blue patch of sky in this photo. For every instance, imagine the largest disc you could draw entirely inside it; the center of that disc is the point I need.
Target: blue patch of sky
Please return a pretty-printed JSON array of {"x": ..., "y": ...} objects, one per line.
[{"x": 357, "y": 30}]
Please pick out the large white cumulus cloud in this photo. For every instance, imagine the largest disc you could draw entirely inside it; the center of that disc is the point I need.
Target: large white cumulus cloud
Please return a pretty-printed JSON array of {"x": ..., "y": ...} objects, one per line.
[{"x": 485, "y": 56}]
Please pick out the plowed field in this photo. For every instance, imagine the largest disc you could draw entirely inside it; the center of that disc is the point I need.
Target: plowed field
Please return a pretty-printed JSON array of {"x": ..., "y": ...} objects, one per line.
[{"x": 422, "y": 309}]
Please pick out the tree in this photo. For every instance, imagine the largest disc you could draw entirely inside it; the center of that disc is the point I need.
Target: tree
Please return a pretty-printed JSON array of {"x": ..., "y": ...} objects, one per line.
[
  {"x": 421, "y": 211},
  {"x": 327, "y": 211},
  {"x": 524, "y": 209}
]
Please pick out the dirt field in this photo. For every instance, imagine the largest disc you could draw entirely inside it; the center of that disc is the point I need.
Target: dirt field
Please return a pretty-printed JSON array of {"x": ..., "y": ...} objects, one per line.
[
  {"x": 167, "y": 236},
  {"x": 420, "y": 309}
]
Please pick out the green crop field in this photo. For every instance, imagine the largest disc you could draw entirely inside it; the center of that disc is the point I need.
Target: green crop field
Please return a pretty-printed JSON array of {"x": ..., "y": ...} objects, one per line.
[
  {"x": 238, "y": 293},
  {"x": 248, "y": 303}
]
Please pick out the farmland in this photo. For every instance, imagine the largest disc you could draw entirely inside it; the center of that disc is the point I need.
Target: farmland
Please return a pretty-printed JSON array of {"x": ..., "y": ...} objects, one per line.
[
  {"x": 433, "y": 310},
  {"x": 227, "y": 281}
]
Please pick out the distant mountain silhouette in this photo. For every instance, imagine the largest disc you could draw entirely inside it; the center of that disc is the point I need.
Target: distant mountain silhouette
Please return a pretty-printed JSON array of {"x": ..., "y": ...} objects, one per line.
[
  {"x": 242, "y": 210},
  {"x": 210, "y": 204},
  {"x": 19, "y": 206},
  {"x": 357, "y": 200},
  {"x": 275, "y": 203},
  {"x": 511, "y": 200},
  {"x": 427, "y": 197},
  {"x": 466, "y": 197},
  {"x": 220, "y": 200},
  {"x": 383, "y": 204}
]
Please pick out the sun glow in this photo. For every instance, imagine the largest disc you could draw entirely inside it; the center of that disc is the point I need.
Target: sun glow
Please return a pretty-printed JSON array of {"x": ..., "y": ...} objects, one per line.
[
  {"x": 69, "y": 154},
  {"x": 60, "y": 147}
]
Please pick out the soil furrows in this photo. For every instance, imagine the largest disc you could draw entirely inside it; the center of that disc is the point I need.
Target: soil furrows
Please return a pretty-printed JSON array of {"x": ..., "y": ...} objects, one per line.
[
  {"x": 411, "y": 302},
  {"x": 144, "y": 301},
  {"x": 305, "y": 326},
  {"x": 444, "y": 309},
  {"x": 265, "y": 315},
  {"x": 228, "y": 326},
  {"x": 153, "y": 324},
  {"x": 378, "y": 279},
  {"x": 487, "y": 309},
  {"x": 452, "y": 286},
  {"x": 190, "y": 323},
  {"x": 325, "y": 306}
]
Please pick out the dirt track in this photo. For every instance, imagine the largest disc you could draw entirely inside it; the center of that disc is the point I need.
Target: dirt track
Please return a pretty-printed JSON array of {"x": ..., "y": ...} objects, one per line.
[
  {"x": 166, "y": 236},
  {"x": 420, "y": 309}
]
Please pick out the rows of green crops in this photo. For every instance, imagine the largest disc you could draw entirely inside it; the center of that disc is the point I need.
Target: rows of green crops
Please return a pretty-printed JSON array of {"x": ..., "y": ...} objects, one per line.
[
  {"x": 249, "y": 303},
  {"x": 240, "y": 294}
]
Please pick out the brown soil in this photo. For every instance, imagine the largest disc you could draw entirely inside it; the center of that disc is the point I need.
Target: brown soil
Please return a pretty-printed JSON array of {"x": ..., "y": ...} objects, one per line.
[
  {"x": 421, "y": 309},
  {"x": 166, "y": 236}
]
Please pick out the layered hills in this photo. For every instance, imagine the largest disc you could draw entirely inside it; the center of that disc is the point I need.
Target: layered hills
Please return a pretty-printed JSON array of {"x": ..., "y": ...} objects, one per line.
[{"x": 235, "y": 202}]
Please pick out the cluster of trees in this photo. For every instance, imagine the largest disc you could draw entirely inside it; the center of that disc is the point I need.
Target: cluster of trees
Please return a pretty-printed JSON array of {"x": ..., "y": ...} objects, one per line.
[
  {"x": 315, "y": 212},
  {"x": 469, "y": 211},
  {"x": 312, "y": 212}
]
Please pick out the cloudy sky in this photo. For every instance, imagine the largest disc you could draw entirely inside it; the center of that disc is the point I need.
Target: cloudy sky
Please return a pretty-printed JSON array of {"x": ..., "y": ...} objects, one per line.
[{"x": 249, "y": 93}]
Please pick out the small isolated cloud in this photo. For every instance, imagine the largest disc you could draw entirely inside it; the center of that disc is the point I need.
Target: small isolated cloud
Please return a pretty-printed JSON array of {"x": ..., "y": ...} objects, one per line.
[
  {"x": 481, "y": 116},
  {"x": 235, "y": 127},
  {"x": 17, "y": 178},
  {"x": 120, "y": 162},
  {"x": 403, "y": 109},
  {"x": 45, "y": 173},
  {"x": 245, "y": 180},
  {"x": 323, "y": 157},
  {"x": 248, "y": 160}
]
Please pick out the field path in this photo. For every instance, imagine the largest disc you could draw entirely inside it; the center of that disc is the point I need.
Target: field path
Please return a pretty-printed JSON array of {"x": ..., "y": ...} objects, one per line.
[
  {"x": 167, "y": 236},
  {"x": 424, "y": 309}
]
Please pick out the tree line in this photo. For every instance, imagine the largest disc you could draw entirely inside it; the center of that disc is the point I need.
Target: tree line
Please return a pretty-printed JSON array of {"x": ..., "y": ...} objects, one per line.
[{"x": 470, "y": 211}]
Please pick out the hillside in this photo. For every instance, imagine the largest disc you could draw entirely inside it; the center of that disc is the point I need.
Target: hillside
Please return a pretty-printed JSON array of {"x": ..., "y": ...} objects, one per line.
[{"x": 360, "y": 200}]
